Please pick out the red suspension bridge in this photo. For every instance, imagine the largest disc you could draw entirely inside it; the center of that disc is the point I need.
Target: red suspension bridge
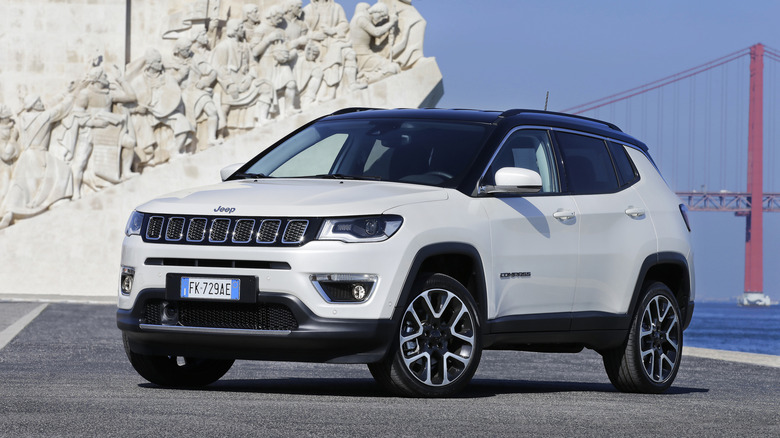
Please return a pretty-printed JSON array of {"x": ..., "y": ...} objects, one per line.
[{"x": 706, "y": 125}]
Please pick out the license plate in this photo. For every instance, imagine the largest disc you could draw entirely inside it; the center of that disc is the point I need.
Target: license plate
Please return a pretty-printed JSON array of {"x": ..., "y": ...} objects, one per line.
[{"x": 210, "y": 288}]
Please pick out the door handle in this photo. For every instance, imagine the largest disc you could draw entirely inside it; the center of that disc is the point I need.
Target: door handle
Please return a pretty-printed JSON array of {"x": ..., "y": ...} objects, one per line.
[
  {"x": 563, "y": 215},
  {"x": 635, "y": 212}
]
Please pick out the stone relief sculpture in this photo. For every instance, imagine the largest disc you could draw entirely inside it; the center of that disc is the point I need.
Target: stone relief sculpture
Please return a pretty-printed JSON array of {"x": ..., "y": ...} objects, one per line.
[
  {"x": 328, "y": 26},
  {"x": 9, "y": 148},
  {"x": 275, "y": 60},
  {"x": 370, "y": 29},
  {"x": 240, "y": 87},
  {"x": 98, "y": 142},
  {"x": 224, "y": 75},
  {"x": 306, "y": 62},
  {"x": 39, "y": 178},
  {"x": 406, "y": 41},
  {"x": 159, "y": 106},
  {"x": 197, "y": 77}
]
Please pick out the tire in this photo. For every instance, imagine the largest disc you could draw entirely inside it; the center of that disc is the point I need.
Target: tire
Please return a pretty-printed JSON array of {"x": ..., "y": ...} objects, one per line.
[
  {"x": 439, "y": 341},
  {"x": 177, "y": 371},
  {"x": 649, "y": 360}
]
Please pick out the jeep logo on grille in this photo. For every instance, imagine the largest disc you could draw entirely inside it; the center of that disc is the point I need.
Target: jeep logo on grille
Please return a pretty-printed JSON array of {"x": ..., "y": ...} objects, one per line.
[{"x": 222, "y": 209}]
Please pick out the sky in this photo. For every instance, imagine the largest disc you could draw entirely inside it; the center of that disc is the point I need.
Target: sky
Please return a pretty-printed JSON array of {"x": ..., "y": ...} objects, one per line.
[{"x": 501, "y": 54}]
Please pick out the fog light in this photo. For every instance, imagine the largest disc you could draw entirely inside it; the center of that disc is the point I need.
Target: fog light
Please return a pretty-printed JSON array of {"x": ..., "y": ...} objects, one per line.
[
  {"x": 344, "y": 288},
  {"x": 358, "y": 292},
  {"x": 126, "y": 280}
]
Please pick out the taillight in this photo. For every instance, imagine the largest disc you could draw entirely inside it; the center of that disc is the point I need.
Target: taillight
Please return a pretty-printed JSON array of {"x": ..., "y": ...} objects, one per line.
[{"x": 684, "y": 212}]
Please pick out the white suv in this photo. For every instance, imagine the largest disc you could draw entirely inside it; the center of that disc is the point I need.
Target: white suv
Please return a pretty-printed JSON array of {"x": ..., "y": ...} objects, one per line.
[{"x": 411, "y": 240}]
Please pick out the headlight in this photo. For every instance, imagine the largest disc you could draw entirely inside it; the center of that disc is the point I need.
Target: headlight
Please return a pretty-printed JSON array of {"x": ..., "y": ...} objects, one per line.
[
  {"x": 360, "y": 229},
  {"x": 134, "y": 224}
]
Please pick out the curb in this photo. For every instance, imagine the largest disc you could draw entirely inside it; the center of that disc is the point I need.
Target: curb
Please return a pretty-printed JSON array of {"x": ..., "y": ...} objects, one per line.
[{"x": 766, "y": 360}]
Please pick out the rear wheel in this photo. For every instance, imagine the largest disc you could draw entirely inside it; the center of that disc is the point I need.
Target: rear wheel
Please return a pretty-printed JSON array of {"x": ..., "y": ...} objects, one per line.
[
  {"x": 649, "y": 360},
  {"x": 438, "y": 347},
  {"x": 177, "y": 371}
]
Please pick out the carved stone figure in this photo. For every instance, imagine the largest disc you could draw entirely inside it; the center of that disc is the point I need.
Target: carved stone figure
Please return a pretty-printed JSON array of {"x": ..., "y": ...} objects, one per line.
[
  {"x": 406, "y": 41},
  {"x": 240, "y": 87},
  {"x": 159, "y": 105},
  {"x": 275, "y": 59},
  {"x": 99, "y": 145},
  {"x": 328, "y": 26},
  {"x": 251, "y": 23},
  {"x": 196, "y": 77},
  {"x": 9, "y": 148},
  {"x": 308, "y": 73},
  {"x": 369, "y": 30},
  {"x": 39, "y": 178},
  {"x": 296, "y": 31}
]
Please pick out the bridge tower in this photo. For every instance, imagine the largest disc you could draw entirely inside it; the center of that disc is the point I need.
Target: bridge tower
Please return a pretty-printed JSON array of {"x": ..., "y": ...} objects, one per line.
[{"x": 754, "y": 227}]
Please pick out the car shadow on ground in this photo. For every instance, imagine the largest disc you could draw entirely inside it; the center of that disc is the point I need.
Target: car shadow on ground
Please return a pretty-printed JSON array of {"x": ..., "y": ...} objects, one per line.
[
  {"x": 491, "y": 387},
  {"x": 478, "y": 388}
]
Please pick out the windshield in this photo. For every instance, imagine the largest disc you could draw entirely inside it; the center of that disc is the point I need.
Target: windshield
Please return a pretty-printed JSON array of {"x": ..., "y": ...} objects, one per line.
[{"x": 429, "y": 152}]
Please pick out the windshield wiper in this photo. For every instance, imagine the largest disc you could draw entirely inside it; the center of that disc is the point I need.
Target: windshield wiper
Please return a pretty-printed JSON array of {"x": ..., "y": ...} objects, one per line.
[{"x": 343, "y": 176}]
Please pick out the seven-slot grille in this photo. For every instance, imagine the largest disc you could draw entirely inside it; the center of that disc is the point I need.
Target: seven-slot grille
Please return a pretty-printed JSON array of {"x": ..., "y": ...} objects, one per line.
[{"x": 229, "y": 230}]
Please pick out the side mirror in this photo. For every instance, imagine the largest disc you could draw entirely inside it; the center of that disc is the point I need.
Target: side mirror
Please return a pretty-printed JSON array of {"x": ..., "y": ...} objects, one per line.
[
  {"x": 515, "y": 180},
  {"x": 229, "y": 170}
]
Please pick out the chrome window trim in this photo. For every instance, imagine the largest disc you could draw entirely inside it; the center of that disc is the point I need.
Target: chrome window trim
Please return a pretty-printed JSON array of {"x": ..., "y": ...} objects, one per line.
[{"x": 480, "y": 186}]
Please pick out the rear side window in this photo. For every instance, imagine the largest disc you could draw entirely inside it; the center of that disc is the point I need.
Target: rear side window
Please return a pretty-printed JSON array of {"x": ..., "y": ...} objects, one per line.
[
  {"x": 588, "y": 165},
  {"x": 625, "y": 170}
]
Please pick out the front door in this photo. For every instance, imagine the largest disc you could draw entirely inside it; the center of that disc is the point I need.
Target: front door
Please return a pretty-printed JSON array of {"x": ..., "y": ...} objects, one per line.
[{"x": 535, "y": 240}]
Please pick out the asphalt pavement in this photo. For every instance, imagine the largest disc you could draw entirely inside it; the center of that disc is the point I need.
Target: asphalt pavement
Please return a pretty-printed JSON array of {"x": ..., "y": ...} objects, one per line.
[{"x": 65, "y": 374}]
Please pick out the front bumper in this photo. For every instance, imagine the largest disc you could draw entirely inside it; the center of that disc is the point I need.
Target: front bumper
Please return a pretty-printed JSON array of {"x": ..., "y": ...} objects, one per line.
[{"x": 310, "y": 339}]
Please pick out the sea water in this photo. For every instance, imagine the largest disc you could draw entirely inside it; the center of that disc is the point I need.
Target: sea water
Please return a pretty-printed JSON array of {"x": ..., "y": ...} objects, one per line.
[{"x": 726, "y": 326}]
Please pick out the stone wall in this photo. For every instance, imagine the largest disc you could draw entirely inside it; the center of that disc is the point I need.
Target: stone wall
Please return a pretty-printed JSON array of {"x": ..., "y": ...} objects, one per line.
[
  {"x": 48, "y": 43},
  {"x": 45, "y": 44}
]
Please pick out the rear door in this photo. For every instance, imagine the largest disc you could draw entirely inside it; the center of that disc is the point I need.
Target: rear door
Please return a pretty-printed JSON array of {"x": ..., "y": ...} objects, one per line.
[{"x": 616, "y": 233}]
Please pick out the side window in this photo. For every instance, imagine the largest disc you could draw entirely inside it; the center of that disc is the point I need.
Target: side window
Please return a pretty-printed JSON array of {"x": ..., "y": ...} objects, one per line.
[
  {"x": 529, "y": 149},
  {"x": 588, "y": 166},
  {"x": 626, "y": 172}
]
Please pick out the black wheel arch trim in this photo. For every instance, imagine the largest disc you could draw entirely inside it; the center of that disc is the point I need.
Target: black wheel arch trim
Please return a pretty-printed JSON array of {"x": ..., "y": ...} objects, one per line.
[
  {"x": 445, "y": 249},
  {"x": 684, "y": 293}
]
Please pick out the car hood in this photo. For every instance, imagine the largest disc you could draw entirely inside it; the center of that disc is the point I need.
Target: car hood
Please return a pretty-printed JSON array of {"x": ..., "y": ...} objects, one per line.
[{"x": 293, "y": 197}]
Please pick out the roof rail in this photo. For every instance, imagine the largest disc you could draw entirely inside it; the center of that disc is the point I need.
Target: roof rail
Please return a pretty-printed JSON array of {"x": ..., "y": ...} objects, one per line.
[
  {"x": 514, "y": 112},
  {"x": 354, "y": 109}
]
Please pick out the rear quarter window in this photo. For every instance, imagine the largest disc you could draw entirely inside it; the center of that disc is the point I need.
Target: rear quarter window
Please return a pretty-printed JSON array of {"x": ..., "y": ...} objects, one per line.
[{"x": 625, "y": 168}]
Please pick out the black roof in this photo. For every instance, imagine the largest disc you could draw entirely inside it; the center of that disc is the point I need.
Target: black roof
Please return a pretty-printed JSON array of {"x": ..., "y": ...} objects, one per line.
[{"x": 512, "y": 117}]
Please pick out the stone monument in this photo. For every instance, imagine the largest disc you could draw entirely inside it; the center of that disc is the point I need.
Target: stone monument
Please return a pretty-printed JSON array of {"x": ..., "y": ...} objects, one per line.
[{"x": 216, "y": 82}]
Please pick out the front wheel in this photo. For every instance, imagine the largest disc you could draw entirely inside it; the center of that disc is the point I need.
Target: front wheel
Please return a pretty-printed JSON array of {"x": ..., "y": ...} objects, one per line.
[
  {"x": 649, "y": 360},
  {"x": 177, "y": 371},
  {"x": 438, "y": 347}
]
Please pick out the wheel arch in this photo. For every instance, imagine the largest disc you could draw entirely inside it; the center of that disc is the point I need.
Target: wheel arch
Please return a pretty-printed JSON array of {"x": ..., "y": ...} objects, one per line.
[
  {"x": 460, "y": 261},
  {"x": 671, "y": 269}
]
